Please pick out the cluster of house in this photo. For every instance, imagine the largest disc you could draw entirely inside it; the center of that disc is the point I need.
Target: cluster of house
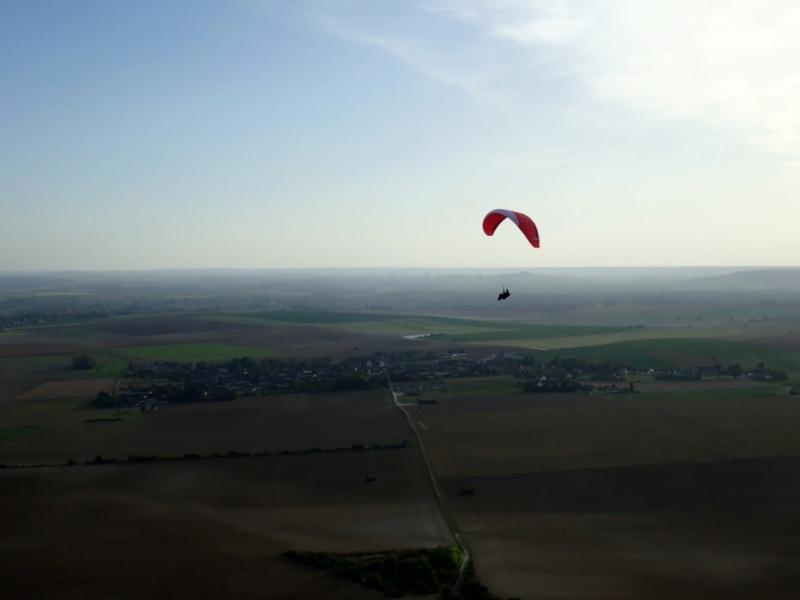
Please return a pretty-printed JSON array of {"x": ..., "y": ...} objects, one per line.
[
  {"x": 147, "y": 385},
  {"x": 734, "y": 371},
  {"x": 11, "y": 321},
  {"x": 37, "y": 311}
]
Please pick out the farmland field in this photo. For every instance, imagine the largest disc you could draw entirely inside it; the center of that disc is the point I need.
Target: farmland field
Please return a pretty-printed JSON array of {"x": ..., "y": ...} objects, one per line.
[
  {"x": 633, "y": 495},
  {"x": 602, "y": 339},
  {"x": 687, "y": 353},
  {"x": 206, "y": 528},
  {"x": 208, "y": 351},
  {"x": 253, "y": 424},
  {"x": 10, "y": 433},
  {"x": 681, "y": 489},
  {"x": 503, "y": 431},
  {"x": 367, "y": 323},
  {"x": 231, "y": 517},
  {"x": 692, "y": 531}
]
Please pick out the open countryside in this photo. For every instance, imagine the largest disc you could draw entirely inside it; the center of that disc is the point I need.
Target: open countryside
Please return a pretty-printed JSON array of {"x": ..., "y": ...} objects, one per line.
[
  {"x": 370, "y": 299},
  {"x": 635, "y": 461}
]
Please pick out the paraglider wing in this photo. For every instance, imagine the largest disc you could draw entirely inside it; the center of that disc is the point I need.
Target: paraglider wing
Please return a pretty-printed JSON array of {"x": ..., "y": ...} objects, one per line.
[{"x": 521, "y": 220}]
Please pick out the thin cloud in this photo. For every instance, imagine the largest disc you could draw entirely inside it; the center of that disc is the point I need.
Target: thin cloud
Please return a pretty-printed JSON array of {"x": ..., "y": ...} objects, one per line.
[
  {"x": 527, "y": 23},
  {"x": 733, "y": 66},
  {"x": 421, "y": 54}
]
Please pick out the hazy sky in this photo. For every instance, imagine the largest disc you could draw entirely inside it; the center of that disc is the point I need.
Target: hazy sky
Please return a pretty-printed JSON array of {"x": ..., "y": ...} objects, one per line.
[{"x": 138, "y": 134}]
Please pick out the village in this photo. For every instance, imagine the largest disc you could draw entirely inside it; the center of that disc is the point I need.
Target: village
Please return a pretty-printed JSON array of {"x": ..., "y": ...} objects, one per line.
[{"x": 150, "y": 384}]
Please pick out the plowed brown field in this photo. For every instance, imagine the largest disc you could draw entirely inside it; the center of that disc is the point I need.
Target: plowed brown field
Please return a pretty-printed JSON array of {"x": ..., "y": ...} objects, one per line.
[
  {"x": 206, "y": 528},
  {"x": 719, "y": 530},
  {"x": 681, "y": 491},
  {"x": 253, "y": 424}
]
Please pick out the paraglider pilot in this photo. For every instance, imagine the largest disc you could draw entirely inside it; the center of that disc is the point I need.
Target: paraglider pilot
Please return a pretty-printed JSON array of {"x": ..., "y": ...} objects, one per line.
[{"x": 521, "y": 220}]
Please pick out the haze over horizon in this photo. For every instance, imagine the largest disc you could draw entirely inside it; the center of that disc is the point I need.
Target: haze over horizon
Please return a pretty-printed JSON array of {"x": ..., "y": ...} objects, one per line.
[{"x": 370, "y": 133}]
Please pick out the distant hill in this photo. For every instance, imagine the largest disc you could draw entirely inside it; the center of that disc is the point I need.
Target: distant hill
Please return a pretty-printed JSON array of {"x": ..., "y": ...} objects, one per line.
[{"x": 755, "y": 280}]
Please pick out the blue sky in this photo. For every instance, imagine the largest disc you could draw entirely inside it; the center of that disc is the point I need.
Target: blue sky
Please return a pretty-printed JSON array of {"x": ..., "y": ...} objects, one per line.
[{"x": 376, "y": 133}]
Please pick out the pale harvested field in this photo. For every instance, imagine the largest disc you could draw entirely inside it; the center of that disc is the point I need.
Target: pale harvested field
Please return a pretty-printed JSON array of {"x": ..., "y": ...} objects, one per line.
[
  {"x": 207, "y": 528},
  {"x": 725, "y": 530},
  {"x": 584, "y": 341},
  {"x": 252, "y": 424}
]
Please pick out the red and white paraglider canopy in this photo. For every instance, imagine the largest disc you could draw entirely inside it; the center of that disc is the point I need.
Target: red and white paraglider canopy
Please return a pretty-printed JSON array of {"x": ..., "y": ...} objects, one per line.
[{"x": 521, "y": 220}]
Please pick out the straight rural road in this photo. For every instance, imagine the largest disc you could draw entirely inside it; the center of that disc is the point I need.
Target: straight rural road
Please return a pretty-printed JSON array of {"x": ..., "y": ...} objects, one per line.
[{"x": 437, "y": 490}]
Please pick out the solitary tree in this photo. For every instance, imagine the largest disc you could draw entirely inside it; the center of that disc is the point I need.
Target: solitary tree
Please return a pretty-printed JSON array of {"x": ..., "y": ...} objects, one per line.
[
  {"x": 104, "y": 400},
  {"x": 735, "y": 370},
  {"x": 83, "y": 361}
]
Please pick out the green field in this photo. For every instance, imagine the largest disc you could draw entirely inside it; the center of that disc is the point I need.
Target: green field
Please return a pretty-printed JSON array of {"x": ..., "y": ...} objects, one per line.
[
  {"x": 109, "y": 365},
  {"x": 641, "y": 347},
  {"x": 10, "y": 333},
  {"x": 455, "y": 329},
  {"x": 505, "y": 332},
  {"x": 12, "y": 433},
  {"x": 472, "y": 330},
  {"x": 683, "y": 352},
  {"x": 438, "y": 328}
]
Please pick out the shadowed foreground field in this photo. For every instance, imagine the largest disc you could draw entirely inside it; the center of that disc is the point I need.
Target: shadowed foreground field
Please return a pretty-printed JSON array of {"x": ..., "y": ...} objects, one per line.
[
  {"x": 211, "y": 527},
  {"x": 683, "y": 490},
  {"x": 724, "y": 530},
  {"x": 207, "y": 528}
]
